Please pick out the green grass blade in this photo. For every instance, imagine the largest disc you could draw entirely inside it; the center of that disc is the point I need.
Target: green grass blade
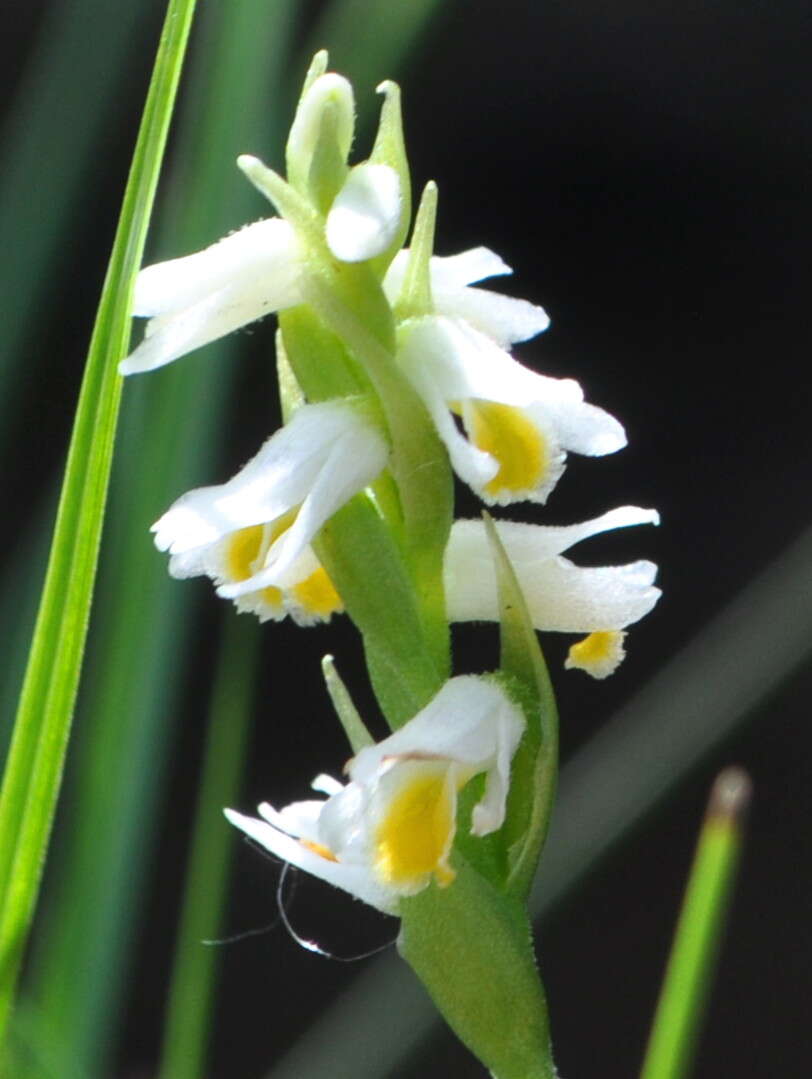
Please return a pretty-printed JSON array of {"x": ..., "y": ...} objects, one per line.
[
  {"x": 34, "y": 767},
  {"x": 172, "y": 433},
  {"x": 684, "y": 993},
  {"x": 191, "y": 995}
]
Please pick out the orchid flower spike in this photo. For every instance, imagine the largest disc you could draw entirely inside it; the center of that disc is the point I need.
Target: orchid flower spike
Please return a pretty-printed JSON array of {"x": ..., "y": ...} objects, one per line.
[
  {"x": 599, "y": 601},
  {"x": 388, "y": 832},
  {"x": 252, "y": 534},
  {"x": 518, "y": 424}
]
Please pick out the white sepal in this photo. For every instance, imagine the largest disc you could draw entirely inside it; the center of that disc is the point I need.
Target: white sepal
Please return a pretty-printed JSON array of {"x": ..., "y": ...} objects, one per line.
[
  {"x": 199, "y": 298},
  {"x": 503, "y": 318},
  {"x": 559, "y": 595}
]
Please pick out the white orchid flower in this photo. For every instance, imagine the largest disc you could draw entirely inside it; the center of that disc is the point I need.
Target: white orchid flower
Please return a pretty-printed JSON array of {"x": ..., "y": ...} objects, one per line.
[
  {"x": 518, "y": 424},
  {"x": 599, "y": 601},
  {"x": 253, "y": 533},
  {"x": 389, "y": 831}
]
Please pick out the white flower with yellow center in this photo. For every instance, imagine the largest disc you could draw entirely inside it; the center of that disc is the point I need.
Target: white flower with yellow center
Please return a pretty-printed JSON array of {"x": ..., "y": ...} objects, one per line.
[
  {"x": 388, "y": 832},
  {"x": 599, "y": 601},
  {"x": 252, "y": 534},
  {"x": 517, "y": 424}
]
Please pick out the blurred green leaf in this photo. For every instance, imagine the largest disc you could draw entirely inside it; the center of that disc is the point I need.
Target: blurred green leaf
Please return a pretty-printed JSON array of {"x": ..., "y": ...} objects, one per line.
[
  {"x": 172, "y": 434},
  {"x": 34, "y": 767},
  {"x": 687, "y": 980},
  {"x": 190, "y": 1003}
]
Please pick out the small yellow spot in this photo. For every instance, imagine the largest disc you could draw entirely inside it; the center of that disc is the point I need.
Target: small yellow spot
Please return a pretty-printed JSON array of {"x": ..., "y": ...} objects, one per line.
[
  {"x": 273, "y": 597},
  {"x": 320, "y": 849},
  {"x": 599, "y": 654},
  {"x": 515, "y": 442},
  {"x": 243, "y": 551},
  {"x": 317, "y": 595},
  {"x": 413, "y": 839}
]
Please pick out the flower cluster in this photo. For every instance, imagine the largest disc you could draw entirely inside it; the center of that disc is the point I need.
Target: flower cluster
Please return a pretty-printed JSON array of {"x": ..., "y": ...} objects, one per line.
[{"x": 505, "y": 429}]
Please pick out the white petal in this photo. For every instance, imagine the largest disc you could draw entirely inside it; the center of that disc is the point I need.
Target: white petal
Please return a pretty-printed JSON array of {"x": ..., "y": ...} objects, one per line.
[
  {"x": 298, "y": 819},
  {"x": 527, "y": 544},
  {"x": 470, "y": 722},
  {"x": 357, "y": 455},
  {"x": 365, "y": 214},
  {"x": 505, "y": 319},
  {"x": 276, "y": 480},
  {"x": 559, "y": 595},
  {"x": 465, "y": 363},
  {"x": 355, "y": 879},
  {"x": 448, "y": 273},
  {"x": 584, "y": 428},
  {"x": 473, "y": 466},
  {"x": 255, "y": 250}
]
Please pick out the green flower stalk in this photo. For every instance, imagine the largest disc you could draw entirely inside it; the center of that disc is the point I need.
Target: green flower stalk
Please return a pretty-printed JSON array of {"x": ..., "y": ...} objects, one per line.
[{"x": 395, "y": 375}]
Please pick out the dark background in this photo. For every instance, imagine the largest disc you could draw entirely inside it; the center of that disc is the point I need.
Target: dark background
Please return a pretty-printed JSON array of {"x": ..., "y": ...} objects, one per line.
[{"x": 644, "y": 169}]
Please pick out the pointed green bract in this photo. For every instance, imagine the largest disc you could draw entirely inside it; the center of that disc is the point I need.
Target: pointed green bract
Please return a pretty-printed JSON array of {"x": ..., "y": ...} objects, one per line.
[
  {"x": 357, "y": 734},
  {"x": 415, "y": 295},
  {"x": 390, "y": 149},
  {"x": 535, "y": 766}
]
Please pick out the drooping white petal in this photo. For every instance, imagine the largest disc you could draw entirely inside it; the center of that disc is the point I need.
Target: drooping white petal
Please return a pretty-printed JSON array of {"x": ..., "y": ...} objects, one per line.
[
  {"x": 279, "y": 478},
  {"x": 355, "y": 879},
  {"x": 356, "y": 455},
  {"x": 559, "y": 595},
  {"x": 365, "y": 214}
]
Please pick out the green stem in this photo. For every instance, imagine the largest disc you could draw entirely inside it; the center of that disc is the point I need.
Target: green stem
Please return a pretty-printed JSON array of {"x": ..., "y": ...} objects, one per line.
[
  {"x": 683, "y": 997},
  {"x": 34, "y": 768},
  {"x": 191, "y": 993}
]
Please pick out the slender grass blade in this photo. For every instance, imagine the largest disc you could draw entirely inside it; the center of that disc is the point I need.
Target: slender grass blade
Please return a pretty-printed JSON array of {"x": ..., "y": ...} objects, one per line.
[{"x": 34, "y": 768}]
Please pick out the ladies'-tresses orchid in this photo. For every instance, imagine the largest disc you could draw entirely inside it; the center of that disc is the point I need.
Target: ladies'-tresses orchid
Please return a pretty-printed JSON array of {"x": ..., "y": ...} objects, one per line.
[
  {"x": 599, "y": 601},
  {"x": 252, "y": 534},
  {"x": 518, "y": 424},
  {"x": 388, "y": 832}
]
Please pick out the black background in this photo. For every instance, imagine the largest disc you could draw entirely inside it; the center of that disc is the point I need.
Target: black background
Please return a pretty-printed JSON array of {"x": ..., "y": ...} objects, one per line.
[{"x": 644, "y": 169}]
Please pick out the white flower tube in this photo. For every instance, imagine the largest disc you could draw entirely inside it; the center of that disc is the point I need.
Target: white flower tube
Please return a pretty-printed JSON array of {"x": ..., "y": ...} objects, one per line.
[
  {"x": 389, "y": 831},
  {"x": 253, "y": 533},
  {"x": 600, "y": 601},
  {"x": 518, "y": 424}
]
